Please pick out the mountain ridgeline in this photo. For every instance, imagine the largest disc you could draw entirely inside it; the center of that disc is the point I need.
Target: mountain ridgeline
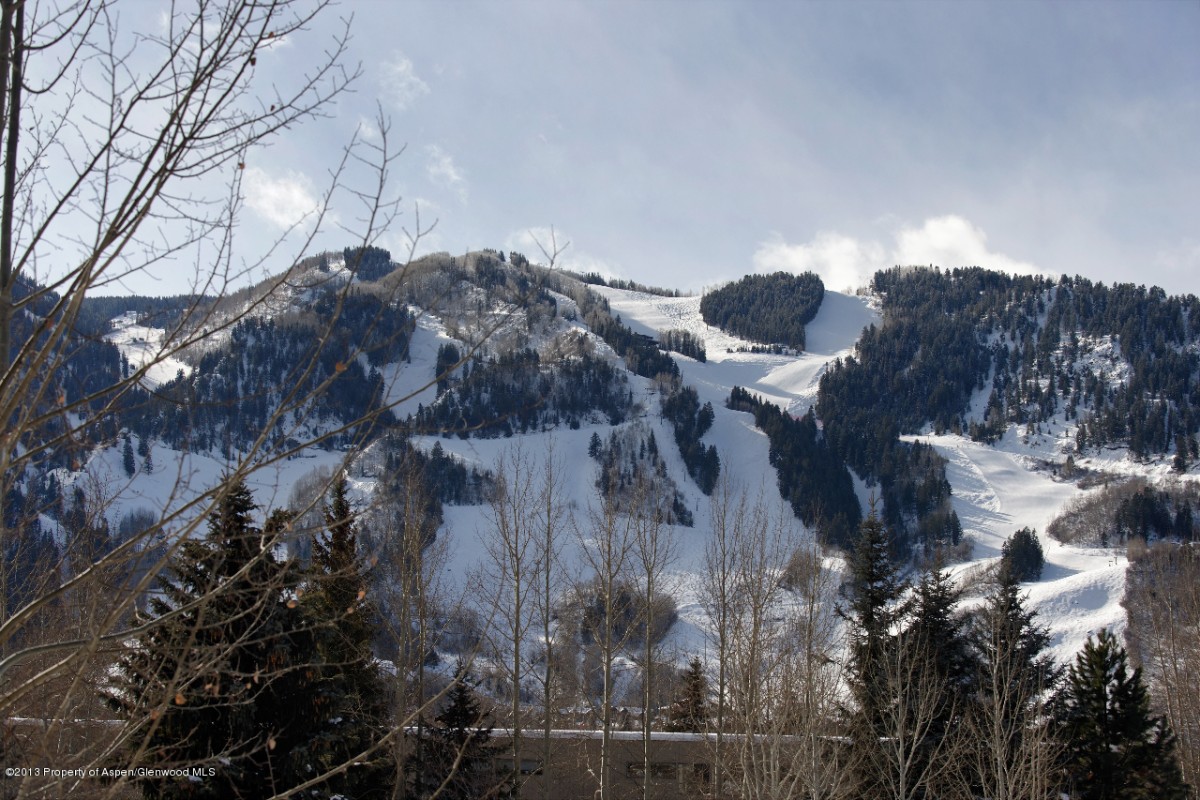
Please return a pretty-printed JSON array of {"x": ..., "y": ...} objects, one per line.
[
  {"x": 524, "y": 349},
  {"x": 321, "y": 355}
]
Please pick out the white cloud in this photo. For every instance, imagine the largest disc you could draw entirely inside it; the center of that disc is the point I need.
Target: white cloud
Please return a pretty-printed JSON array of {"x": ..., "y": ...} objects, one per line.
[
  {"x": 400, "y": 82},
  {"x": 284, "y": 201},
  {"x": 442, "y": 171},
  {"x": 841, "y": 261},
  {"x": 845, "y": 262},
  {"x": 952, "y": 241}
]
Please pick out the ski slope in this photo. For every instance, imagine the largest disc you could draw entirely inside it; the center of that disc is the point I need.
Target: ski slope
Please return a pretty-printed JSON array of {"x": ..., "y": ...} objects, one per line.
[
  {"x": 996, "y": 489},
  {"x": 143, "y": 346}
]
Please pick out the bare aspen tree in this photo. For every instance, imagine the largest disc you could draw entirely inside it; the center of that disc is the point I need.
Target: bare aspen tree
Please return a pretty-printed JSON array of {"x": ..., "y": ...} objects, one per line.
[
  {"x": 509, "y": 578},
  {"x": 784, "y": 684},
  {"x": 653, "y": 553},
  {"x": 522, "y": 582},
  {"x": 1014, "y": 753},
  {"x": 910, "y": 761},
  {"x": 109, "y": 180},
  {"x": 124, "y": 152},
  {"x": 1162, "y": 602},
  {"x": 809, "y": 677},
  {"x": 411, "y": 560},
  {"x": 762, "y": 552},
  {"x": 771, "y": 610},
  {"x": 607, "y": 546},
  {"x": 719, "y": 596},
  {"x": 551, "y": 519}
]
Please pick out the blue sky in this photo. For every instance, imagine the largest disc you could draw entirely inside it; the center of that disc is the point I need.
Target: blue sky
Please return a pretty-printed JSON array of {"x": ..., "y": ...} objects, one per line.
[{"x": 685, "y": 143}]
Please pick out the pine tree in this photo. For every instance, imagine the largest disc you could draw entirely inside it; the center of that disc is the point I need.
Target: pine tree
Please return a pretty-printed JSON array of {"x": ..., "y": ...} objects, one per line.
[
  {"x": 1115, "y": 747},
  {"x": 689, "y": 712},
  {"x": 1022, "y": 555},
  {"x": 454, "y": 762},
  {"x": 1006, "y": 637},
  {"x": 351, "y": 696},
  {"x": 24, "y": 557},
  {"x": 1014, "y": 677},
  {"x": 939, "y": 651},
  {"x": 1183, "y": 522},
  {"x": 1180, "y": 462},
  {"x": 939, "y": 628},
  {"x": 874, "y": 609},
  {"x": 127, "y": 460},
  {"x": 874, "y": 606},
  {"x": 143, "y": 450},
  {"x": 221, "y": 683}
]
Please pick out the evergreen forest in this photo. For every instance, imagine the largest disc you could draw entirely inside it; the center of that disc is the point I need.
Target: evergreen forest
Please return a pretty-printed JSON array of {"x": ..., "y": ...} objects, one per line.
[{"x": 769, "y": 309}]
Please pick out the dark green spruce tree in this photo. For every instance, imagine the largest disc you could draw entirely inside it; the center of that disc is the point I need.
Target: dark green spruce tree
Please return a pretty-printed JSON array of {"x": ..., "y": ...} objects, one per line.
[
  {"x": 939, "y": 656},
  {"x": 1014, "y": 678},
  {"x": 127, "y": 460},
  {"x": 690, "y": 711},
  {"x": 351, "y": 697},
  {"x": 1008, "y": 641},
  {"x": 1115, "y": 747},
  {"x": 223, "y": 683},
  {"x": 455, "y": 760},
  {"x": 1022, "y": 556},
  {"x": 872, "y": 613}
]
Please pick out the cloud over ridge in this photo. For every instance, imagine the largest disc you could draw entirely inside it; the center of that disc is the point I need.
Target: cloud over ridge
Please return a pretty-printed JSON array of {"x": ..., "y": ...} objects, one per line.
[{"x": 844, "y": 262}]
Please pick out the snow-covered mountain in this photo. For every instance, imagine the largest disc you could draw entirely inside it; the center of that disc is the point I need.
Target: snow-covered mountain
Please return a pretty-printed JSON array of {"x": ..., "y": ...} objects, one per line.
[
  {"x": 996, "y": 488},
  {"x": 481, "y": 321}
]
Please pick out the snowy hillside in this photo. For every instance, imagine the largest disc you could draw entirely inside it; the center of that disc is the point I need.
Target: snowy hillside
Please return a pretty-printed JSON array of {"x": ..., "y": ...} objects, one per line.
[
  {"x": 144, "y": 346},
  {"x": 996, "y": 488}
]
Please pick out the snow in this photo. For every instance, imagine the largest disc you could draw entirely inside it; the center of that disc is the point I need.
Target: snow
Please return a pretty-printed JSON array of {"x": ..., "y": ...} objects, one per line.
[
  {"x": 412, "y": 383},
  {"x": 143, "y": 346},
  {"x": 179, "y": 480},
  {"x": 789, "y": 381},
  {"x": 996, "y": 489}
]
